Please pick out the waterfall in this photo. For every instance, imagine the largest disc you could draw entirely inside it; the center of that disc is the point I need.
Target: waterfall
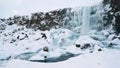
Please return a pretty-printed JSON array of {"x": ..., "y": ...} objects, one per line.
[{"x": 86, "y": 20}]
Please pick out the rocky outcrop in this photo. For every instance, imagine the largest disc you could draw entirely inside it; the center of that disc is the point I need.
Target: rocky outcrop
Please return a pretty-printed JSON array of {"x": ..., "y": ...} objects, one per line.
[
  {"x": 113, "y": 14},
  {"x": 40, "y": 20},
  {"x": 71, "y": 18}
]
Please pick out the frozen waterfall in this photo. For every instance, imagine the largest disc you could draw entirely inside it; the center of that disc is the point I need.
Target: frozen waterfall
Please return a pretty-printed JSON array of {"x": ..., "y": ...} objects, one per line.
[{"x": 86, "y": 20}]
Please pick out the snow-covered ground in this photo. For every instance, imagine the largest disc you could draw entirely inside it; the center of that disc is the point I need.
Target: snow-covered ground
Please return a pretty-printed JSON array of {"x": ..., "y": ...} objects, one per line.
[
  {"x": 61, "y": 47},
  {"x": 109, "y": 58}
]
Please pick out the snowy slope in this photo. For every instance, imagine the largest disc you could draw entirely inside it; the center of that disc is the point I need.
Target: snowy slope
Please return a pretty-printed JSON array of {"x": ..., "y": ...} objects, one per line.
[
  {"x": 108, "y": 58},
  {"x": 52, "y": 46}
]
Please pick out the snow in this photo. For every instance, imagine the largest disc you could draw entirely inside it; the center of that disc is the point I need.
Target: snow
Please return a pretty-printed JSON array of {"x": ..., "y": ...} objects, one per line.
[
  {"x": 63, "y": 50},
  {"x": 105, "y": 59},
  {"x": 62, "y": 47},
  {"x": 62, "y": 44}
]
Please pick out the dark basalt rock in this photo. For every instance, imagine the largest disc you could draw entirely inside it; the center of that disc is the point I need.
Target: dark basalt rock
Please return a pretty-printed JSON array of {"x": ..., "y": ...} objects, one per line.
[
  {"x": 114, "y": 13},
  {"x": 99, "y": 49},
  {"x": 51, "y": 19},
  {"x": 46, "y": 49},
  {"x": 77, "y": 45},
  {"x": 44, "y": 35},
  {"x": 2, "y": 27},
  {"x": 13, "y": 40},
  {"x": 85, "y": 46}
]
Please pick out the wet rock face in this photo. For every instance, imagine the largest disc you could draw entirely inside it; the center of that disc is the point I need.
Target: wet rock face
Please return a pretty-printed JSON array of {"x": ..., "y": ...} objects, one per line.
[
  {"x": 113, "y": 14},
  {"x": 115, "y": 4}
]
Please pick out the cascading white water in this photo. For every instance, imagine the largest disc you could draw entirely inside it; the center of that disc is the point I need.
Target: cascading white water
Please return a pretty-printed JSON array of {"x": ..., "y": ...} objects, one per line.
[{"x": 86, "y": 20}]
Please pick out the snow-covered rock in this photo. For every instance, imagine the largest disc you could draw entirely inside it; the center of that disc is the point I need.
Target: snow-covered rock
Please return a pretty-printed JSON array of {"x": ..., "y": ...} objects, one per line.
[
  {"x": 105, "y": 33},
  {"x": 86, "y": 44},
  {"x": 115, "y": 43},
  {"x": 111, "y": 37}
]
